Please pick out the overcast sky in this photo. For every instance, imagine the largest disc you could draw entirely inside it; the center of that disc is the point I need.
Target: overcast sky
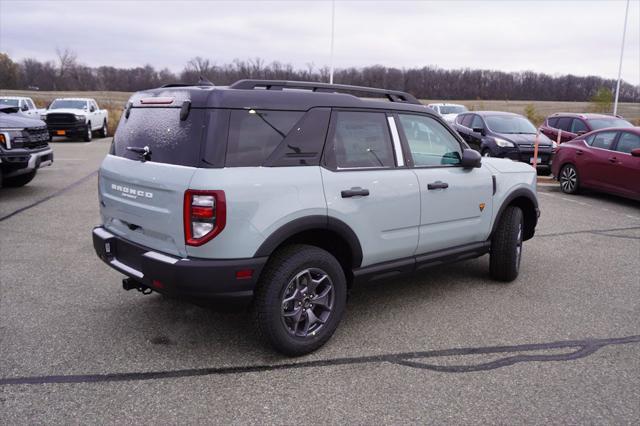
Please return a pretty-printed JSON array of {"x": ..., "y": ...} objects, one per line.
[{"x": 555, "y": 37}]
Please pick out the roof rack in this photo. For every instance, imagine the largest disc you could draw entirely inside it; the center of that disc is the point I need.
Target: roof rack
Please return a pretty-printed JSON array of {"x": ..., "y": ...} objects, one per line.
[
  {"x": 202, "y": 82},
  {"x": 391, "y": 95}
]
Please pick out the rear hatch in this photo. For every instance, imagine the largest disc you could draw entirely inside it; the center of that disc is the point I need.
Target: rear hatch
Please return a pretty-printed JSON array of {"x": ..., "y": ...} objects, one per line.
[{"x": 155, "y": 152}]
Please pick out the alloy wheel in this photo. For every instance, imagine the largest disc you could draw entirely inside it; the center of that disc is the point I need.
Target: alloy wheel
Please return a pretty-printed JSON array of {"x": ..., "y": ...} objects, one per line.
[
  {"x": 307, "y": 302},
  {"x": 568, "y": 179}
]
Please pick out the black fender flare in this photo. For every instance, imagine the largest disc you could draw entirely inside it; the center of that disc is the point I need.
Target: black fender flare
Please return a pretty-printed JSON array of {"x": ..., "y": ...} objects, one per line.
[
  {"x": 532, "y": 215},
  {"x": 309, "y": 223}
]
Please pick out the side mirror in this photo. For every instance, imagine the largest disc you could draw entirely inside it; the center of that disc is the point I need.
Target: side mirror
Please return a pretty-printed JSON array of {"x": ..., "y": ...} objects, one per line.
[
  {"x": 25, "y": 107},
  {"x": 471, "y": 159},
  {"x": 479, "y": 130},
  {"x": 92, "y": 108},
  {"x": 635, "y": 152}
]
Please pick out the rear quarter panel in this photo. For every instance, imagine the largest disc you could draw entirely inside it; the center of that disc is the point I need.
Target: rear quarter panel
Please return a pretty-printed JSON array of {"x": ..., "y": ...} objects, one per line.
[{"x": 259, "y": 201}]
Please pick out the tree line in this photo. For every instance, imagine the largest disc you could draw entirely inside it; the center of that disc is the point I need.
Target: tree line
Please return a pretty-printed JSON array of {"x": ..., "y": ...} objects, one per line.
[{"x": 429, "y": 82}]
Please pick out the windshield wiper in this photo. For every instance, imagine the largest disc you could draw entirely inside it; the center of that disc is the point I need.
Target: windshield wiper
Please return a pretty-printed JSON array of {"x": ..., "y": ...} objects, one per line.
[{"x": 144, "y": 153}]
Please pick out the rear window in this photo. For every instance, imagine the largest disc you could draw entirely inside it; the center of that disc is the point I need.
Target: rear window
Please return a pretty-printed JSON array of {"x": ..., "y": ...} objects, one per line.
[{"x": 169, "y": 139}]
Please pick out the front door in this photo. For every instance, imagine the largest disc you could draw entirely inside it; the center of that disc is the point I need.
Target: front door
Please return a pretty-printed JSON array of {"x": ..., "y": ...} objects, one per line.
[
  {"x": 456, "y": 203},
  {"x": 594, "y": 160},
  {"x": 367, "y": 186}
]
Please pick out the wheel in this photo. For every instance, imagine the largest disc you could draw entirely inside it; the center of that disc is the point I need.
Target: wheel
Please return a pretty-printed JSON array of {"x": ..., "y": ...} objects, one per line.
[
  {"x": 20, "y": 180},
  {"x": 88, "y": 134},
  {"x": 104, "y": 131},
  {"x": 486, "y": 153},
  {"x": 506, "y": 246},
  {"x": 300, "y": 299},
  {"x": 569, "y": 183}
]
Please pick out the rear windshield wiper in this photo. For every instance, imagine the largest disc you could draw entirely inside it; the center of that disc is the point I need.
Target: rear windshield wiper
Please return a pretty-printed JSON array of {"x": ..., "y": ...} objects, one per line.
[{"x": 144, "y": 153}]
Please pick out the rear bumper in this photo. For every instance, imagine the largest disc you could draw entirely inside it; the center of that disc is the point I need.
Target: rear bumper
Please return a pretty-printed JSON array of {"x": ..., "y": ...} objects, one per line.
[{"x": 189, "y": 277}]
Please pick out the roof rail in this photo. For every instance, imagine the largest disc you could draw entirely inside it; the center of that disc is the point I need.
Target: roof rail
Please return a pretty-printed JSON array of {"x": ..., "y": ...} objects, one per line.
[{"x": 392, "y": 95}]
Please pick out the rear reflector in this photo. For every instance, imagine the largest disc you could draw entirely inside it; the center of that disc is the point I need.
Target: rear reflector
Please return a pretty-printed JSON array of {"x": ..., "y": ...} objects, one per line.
[
  {"x": 205, "y": 215},
  {"x": 157, "y": 101},
  {"x": 244, "y": 274}
]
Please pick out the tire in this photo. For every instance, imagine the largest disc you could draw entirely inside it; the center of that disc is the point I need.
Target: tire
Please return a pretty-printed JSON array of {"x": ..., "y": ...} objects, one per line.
[
  {"x": 486, "y": 153},
  {"x": 506, "y": 246},
  {"x": 17, "y": 181},
  {"x": 283, "y": 293},
  {"x": 569, "y": 180},
  {"x": 88, "y": 133},
  {"x": 104, "y": 131}
]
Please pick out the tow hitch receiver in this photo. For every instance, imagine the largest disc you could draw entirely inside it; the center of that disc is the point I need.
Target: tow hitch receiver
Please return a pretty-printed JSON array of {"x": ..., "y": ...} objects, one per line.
[{"x": 131, "y": 284}]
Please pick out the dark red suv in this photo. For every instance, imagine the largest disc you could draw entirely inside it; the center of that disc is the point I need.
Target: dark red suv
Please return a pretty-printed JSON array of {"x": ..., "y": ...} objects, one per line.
[{"x": 573, "y": 125}]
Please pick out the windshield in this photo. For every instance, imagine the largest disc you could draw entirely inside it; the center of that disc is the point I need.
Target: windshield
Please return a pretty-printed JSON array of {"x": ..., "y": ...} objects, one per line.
[
  {"x": 66, "y": 103},
  {"x": 510, "y": 124},
  {"x": 602, "y": 123},
  {"x": 452, "y": 109},
  {"x": 8, "y": 102}
]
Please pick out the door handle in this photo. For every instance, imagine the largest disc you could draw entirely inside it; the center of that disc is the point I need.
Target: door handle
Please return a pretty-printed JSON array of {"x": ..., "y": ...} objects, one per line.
[
  {"x": 438, "y": 185},
  {"x": 354, "y": 192},
  {"x": 613, "y": 160},
  {"x": 579, "y": 152}
]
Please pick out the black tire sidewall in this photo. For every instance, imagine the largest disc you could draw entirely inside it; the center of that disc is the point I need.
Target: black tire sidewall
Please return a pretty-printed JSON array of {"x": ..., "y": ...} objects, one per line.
[
  {"x": 272, "y": 284},
  {"x": 504, "y": 261},
  {"x": 88, "y": 133}
]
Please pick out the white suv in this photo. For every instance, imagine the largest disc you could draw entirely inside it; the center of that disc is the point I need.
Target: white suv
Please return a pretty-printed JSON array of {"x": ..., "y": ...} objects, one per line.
[
  {"x": 286, "y": 194},
  {"x": 448, "y": 111}
]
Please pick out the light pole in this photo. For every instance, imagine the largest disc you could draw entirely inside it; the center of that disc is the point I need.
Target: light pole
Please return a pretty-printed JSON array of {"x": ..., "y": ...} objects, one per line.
[
  {"x": 333, "y": 19},
  {"x": 624, "y": 33}
]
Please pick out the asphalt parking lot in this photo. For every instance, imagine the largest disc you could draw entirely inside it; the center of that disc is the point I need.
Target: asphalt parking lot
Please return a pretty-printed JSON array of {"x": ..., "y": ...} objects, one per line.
[{"x": 559, "y": 345}]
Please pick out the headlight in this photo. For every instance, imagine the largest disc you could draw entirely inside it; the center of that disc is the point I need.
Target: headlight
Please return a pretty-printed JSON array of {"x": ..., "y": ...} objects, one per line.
[
  {"x": 9, "y": 134},
  {"x": 43, "y": 117},
  {"x": 80, "y": 117},
  {"x": 503, "y": 143}
]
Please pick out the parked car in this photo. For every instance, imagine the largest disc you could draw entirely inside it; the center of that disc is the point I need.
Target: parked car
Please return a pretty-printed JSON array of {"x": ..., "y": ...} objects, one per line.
[
  {"x": 25, "y": 105},
  {"x": 24, "y": 147},
  {"x": 289, "y": 197},
  {"x": 573, "y": 125},
  {"x": 76, "y": 117},
  {"x": 448, "y": 111},
  {"x": 505, "y": 135},
  {"x": 606, "y": 160}
]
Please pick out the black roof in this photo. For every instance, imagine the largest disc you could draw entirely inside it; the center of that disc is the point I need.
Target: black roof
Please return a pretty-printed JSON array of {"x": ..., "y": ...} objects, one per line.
[{"x": 283, "y": 95}]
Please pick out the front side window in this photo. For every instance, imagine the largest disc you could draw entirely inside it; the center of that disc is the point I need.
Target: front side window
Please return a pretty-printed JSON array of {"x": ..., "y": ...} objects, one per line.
[
  {"x": 361, "y": 140},
  {"x": 255, "y": 134},
  {"x": 31, "y": 105},
  {"x": 628, "y": 142},
  {"x": 603, "y": 140},
  {"x": 578, "y": 126},
  {"x": 564, "y": 124},
  {"x": 430, "y": 143},
  {"x": 467, "y": 120},
  {"x": 477, "y": 122}
]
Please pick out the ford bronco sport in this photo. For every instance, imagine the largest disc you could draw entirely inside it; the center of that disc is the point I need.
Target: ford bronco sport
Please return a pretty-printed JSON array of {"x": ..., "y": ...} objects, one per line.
[{"x": 288, "y": 193}]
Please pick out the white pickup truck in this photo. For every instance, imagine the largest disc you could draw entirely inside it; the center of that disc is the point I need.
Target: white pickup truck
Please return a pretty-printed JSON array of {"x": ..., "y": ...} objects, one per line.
[
  {"x": 26, "y": 105},
  {"x": 76, "y": 117}
]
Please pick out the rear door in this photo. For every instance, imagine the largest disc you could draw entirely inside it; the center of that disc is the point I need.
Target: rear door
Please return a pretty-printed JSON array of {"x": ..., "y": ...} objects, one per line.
[
  {"x": 142, "y": 196},
  {"x": 456, "y": 203},
  {"x": 367, "y": 186},
  {"x": 593, "y": 161}
]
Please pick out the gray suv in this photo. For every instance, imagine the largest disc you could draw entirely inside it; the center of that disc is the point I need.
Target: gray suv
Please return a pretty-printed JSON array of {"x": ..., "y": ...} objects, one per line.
[{"x": 286, "y": 194}]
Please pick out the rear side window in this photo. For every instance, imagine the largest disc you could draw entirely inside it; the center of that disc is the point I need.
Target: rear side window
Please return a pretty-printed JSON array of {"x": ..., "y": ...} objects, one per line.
[
  {"x": 564, "y": 123},
  {"x": 466, "y": 122},
  {"x": 169, "y": 139},
  {"x": 360, "y": 140},
  {"x": 628, "y": 142},
  {"x": 255, "y": 134},
  {"x": 603, "y": 140},
  {"x": 459, "y": 118},
  {"x": 553, "y": 122}
]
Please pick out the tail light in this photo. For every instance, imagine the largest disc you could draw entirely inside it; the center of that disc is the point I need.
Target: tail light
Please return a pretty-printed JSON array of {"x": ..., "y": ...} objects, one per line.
[{"x": 205, "y": 215}]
